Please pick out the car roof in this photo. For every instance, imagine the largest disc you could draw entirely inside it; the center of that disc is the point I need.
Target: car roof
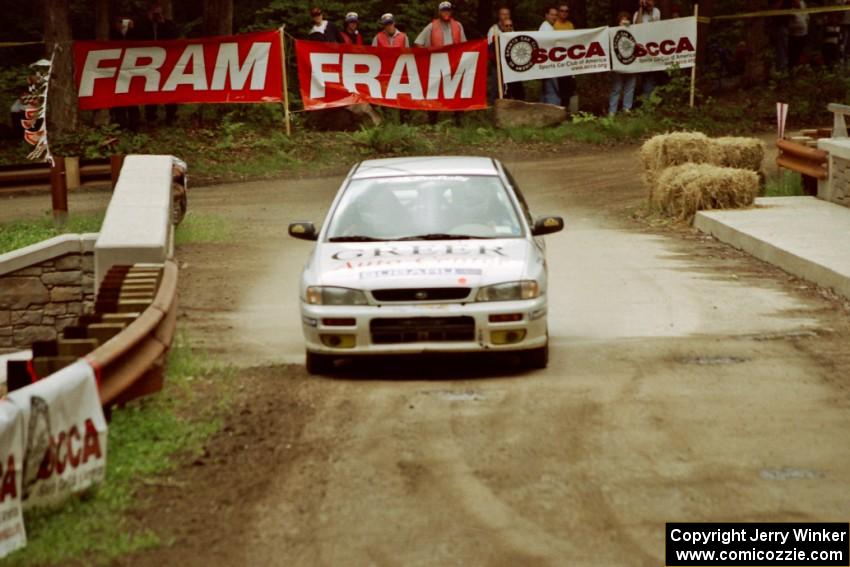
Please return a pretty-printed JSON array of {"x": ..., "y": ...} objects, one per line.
[{"x": 431, "y": 165}]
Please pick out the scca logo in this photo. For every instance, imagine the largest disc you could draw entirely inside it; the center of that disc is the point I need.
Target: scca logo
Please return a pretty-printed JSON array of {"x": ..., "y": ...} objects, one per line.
[
  {"x": 523, "y": 52},
  {"x": 573, "y": 52},
  {"x": 628, "y": 50}
]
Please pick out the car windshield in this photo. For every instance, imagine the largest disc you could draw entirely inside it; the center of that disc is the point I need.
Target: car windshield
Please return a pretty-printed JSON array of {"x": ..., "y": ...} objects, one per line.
[{"x": 432, "y": 207}]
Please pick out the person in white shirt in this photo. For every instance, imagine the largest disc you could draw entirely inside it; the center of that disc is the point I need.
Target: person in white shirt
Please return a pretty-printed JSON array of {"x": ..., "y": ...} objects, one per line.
[
  {"x": 549, "y": 87},
  {"x": 503, "y": 16},
  {"x": 798, "y": 33},
  {"x": 645, "y": 14}
]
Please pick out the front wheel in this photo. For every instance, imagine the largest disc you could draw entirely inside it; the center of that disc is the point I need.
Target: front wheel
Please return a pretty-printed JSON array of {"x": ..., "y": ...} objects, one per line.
[
  {"x": 319, "y": 363},
  {"x": 536, "y": 358}
]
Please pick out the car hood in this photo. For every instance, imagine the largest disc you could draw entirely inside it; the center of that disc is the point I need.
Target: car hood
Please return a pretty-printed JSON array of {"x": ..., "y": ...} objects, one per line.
[{"x": 468, "y": 263}]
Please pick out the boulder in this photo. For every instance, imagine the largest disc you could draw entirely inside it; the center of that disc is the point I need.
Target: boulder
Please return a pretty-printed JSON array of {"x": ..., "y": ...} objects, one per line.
[
  {"x": 517, "y": 113},
  {"x": 347, "y": 118}
]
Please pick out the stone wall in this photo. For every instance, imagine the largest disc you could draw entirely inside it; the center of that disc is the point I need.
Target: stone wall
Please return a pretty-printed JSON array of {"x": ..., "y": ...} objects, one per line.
[
  {"x": 840, "y": 181},
  {"x": 43, "y": 289},
  {"x": 836, "y": 189}
]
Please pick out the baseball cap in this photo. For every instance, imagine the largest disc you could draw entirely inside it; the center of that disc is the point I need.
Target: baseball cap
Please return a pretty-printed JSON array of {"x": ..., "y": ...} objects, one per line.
[
  {"x": 351, "y": 17},
  {"x": 445, "y": 6},
  {"x": 387, "y": 19}
]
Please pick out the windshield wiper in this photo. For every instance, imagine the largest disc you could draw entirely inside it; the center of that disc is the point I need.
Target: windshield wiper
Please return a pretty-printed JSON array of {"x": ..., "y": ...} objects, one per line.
[
  {"x": 356, "y": 238},
  {"x": 443, "y": 236}
]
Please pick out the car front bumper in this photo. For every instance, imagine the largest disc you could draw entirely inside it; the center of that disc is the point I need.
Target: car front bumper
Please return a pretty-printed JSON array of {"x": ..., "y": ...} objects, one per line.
[{"x": 358, "y": 338}]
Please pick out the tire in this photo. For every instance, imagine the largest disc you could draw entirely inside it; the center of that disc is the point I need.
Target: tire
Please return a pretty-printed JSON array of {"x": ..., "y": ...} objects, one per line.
[
  {"x": 179, "y": 205},
  {"x": 319, "y": 363},
  {"x": 536, "y": 358}
]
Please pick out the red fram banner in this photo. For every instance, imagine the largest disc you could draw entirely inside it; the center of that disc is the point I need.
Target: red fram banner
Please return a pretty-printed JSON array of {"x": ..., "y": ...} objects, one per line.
[
  {"x": 242, "y": 68},
  {"x": 453, "y": 77}
]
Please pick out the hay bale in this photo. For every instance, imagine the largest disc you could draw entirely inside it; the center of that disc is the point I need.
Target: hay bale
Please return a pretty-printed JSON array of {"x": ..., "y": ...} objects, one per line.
[
  {"x": 685, "y": 189},
  {"x": 668, "y": 150},
  {"x": 740, "y": 153}
]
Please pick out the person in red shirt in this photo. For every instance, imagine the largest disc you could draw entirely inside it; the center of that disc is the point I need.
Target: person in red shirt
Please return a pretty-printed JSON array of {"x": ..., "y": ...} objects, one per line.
[
  {"x": 390, "y": 36},
  {"x": 350, "y": 34}
]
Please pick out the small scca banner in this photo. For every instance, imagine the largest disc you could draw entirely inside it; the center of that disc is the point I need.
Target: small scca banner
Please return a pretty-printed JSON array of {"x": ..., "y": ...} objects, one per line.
[
  {"x": 64, "y": 435},
  {"x": 655, "y": 46},
  {"x": 12, "y": 533},
  {"x": 241, "y": 68},
  {"x": 453, "y": 77},
  {"x": 543, "y": 55}
]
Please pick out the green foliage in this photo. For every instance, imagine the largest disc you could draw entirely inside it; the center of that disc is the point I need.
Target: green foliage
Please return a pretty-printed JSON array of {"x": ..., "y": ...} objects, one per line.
[
  {"x": 392, "y": 138},
  {"x": 144, "y": 436},
  {"x": 787, "y": 184},
  {"x": 100, "y": 142},
  {"x": 18, "y": 234}
]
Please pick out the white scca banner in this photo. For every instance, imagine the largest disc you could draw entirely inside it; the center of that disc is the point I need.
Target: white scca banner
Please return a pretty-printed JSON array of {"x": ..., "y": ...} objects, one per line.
[
  {"x": 655, "y": 46},
  {"x": 64, "y": 435},
  {"x": 12, "y": 533},
  {"x": 543, "y": 55}
]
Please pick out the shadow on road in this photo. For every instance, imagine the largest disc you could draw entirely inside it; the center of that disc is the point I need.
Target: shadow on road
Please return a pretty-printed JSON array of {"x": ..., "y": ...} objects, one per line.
[{"x": 466, "y": 366}]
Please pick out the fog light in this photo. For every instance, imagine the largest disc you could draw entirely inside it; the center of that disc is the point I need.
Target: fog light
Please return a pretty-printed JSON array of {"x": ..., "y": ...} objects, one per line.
[
  {"x": 339, "y": 341},
  {"x": 506, "y": 318},
  {"x": 507, "y": 337},
  {"x": 342, "y": 322},
  {"x": 310, "y": 322}
]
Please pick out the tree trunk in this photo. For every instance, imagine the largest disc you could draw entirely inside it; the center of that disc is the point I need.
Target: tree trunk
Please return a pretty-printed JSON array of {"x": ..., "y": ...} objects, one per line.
[
  {"x": 706, "y": 9},
  {"x": 62, "y": 97},
  {"x": 218, "y": 17},
  {"x": 485, "y": 14},
  {"x": 102, "y": 21},
  {"x": 755, "y": 70}
]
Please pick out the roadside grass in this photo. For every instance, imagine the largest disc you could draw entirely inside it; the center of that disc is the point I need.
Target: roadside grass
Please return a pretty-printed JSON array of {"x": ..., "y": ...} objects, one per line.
[
  {"x": 202, "y": 227},
  {"x": 144, "y": 437},
  {"x": 17, "y": 234},
  {"x": 786, "y": 184}
]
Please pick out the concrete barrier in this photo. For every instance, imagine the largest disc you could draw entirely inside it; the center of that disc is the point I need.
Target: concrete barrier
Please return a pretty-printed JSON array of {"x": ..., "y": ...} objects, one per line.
[
  {"x": 138, "y": 225},
  {"x": 836, "y": 188}
]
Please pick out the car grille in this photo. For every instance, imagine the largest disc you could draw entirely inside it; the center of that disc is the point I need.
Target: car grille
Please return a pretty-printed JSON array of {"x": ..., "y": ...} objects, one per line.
[
  {"x": 422, "y": 329},
  {"x": 422, "y": 294}
]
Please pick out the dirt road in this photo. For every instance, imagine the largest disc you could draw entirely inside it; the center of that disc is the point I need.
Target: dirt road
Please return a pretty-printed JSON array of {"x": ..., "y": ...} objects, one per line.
[{"x": 687, "y": 383}]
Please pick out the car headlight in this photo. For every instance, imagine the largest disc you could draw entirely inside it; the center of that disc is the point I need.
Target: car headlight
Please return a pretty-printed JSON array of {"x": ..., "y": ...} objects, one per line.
[
  {"x": 320, "y": 295},
  {"x": 510, "y": 291}
]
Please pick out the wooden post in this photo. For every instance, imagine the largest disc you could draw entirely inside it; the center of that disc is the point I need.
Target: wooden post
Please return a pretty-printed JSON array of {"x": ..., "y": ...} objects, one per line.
[
  {"x": 498, "y": 41},
  {"x": 115, "y": 164},
  {"x": 285, "y": 85},
  {"x": 59, "y": 192},
  {"x": 694, "y": 68}
]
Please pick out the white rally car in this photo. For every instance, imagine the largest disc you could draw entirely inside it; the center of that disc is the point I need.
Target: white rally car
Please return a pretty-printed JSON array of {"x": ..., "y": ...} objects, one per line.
[{"x": 426, "y": 254}]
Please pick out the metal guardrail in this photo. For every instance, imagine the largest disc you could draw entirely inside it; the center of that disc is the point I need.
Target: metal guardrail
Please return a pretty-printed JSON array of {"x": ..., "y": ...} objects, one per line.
[
  {"x": 808, "y": 161},
  {"x": 131, "y": 364},
  {"x": 36, "y": 176}
]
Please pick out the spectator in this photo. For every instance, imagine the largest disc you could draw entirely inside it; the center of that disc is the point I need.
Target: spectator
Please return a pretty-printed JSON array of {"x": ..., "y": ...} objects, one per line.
[
  {"x": 778, "y": 33},
  {"x": 622, "y": 83},
  {"x": 549, "y": 87},
  {"x": 798, "y": 32},
  {"x": 322, "y": 29},
  {"x": 509, "y": 90},
  {"x": 504, "y": 15},
  {"x": 675, "y": 11},
  {"x": 566, "y": 84},
  {"x": 444, "y": 30},
  {"x": 647, "y": 13},
  {"x": 831, "y": 48},
  {"x": 155, "y": 27},
  {"x": 350, "y": 34},
  {"x": 389, "y": 36},
  {"x": 127, "y": 117}
]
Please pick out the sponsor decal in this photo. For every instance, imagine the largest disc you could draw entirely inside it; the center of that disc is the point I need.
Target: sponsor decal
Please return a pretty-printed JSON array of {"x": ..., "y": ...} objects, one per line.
[
  {"x": 419, "y": 272},
  {"x": 453, "y": 77},
  {"x": 241, "y": 68},
  {"x": 435, "y": 250}
]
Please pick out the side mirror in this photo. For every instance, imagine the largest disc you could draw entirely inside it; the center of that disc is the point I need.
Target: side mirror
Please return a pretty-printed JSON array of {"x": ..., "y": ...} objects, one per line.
[
  {"x": 303, "y": 230},
  {"x": 547, "y": 225}
]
